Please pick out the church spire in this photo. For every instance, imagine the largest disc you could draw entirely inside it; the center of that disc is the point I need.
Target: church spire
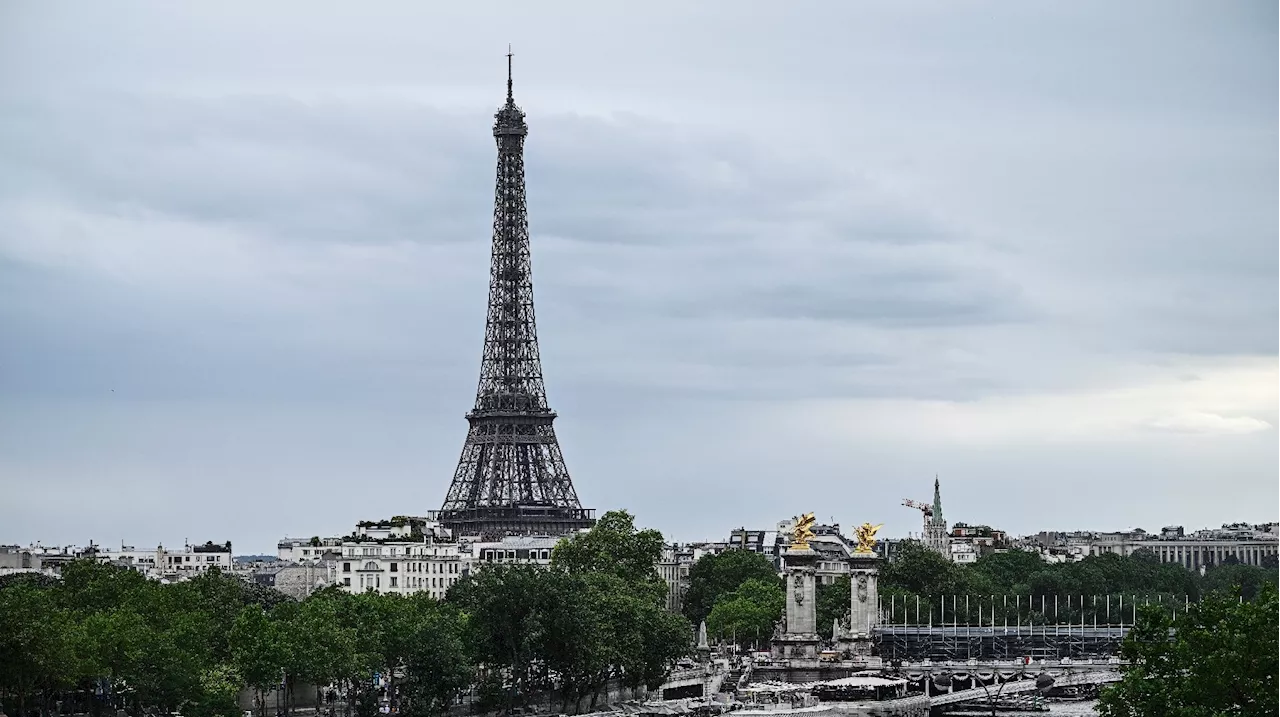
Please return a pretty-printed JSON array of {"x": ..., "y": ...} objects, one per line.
[{"x": 937, "y": 499}]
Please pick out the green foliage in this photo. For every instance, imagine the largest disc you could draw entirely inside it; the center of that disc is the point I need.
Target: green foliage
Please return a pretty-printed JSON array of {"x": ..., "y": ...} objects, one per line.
[
  {"x": 748, "y": 613},
  {"x": 594, "y": 614},
  {"x": 258, "y": 648},
  {"x": 1019, "y": 587},
  {"x": 833, "y": 603},
  {"x": 38, "y": 644},
  {"x": 918, "y": 570},
  {"x": 434, "y": 650},
  {"x": 1219, "y": 658},
  {"x": 715, "y": 576},
  {"x": 1242, "y": 581},
  {"x": 613, "y": 546},
  {"x": 193, "y": 646}
]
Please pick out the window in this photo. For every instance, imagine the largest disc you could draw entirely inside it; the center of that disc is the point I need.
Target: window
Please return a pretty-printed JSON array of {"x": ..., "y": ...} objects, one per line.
[
  {"x": 346, "y": 581},
  {"x": 393, "y": 580},
  {"x": 395, "y": 568},
  {"x": 346, "y": 568}
]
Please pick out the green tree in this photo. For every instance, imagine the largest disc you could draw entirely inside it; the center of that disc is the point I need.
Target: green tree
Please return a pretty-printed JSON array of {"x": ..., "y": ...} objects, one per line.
[
  {"x": 748, "y": 613},
  {"x": 578, "y": 640},
  {"x": 219, "y": 693},
  {"x": 38, "y": 646},
  {"x": 917, "y": 570},
  {"x": 259, "y": 652},
  {"x": 436, "y": 664},
  {"x": 614, "y": 545},
  {"x": 714, "y": 576},
  {"x": 1219, "y": 658},
  {"x": 322, "y": 646},
  {"x": 667, "y": 637},
  {"x": 1005, "y": 570},
  {"x": 504, "y": 626},
  {"x": 1244, "y": 581},
  {"x": 833, "y": 600}
]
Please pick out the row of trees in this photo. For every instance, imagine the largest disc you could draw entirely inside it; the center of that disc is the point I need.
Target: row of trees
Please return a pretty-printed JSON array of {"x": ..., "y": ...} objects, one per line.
[
  {"x": 103, "y": 638},
  {"x": 741, "y": 597},
  {"x": 596, "y": 616},
  {"x": 1221, "y": 657}
]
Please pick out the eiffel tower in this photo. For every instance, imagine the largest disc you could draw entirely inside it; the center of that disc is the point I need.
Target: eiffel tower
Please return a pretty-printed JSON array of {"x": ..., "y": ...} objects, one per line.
[{"x": 511, "y": 478}]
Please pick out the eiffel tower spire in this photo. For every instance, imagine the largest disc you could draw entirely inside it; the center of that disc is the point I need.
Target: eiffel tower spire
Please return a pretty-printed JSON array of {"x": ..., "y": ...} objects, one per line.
[{"x": 511, "y": 477}]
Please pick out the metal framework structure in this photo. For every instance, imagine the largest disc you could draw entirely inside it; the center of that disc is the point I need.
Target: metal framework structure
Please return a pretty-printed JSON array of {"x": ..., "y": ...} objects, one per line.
[
  {"x": 1044, "y": 642},
  {"x": 1003, "y": 627},
  {"x": 511, "y": 478}
]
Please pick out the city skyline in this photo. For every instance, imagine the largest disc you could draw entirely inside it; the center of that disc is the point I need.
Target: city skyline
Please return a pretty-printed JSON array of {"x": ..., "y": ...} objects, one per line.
[{"x": 807, "y": 263}]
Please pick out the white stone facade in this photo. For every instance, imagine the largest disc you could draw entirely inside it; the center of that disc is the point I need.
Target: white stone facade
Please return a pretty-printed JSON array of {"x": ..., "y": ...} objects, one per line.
[
  {"x": 157, "y": 563},
  {"x": 400, "y": 567},
  {"x": 515, "y": 549},
  {"x": 1202, "y": 549},
  {"x": 307, "y": 550}
]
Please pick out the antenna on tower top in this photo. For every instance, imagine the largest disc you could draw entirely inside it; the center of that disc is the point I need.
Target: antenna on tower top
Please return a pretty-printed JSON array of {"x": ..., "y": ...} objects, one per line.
[{"x": 509, "y": 97}]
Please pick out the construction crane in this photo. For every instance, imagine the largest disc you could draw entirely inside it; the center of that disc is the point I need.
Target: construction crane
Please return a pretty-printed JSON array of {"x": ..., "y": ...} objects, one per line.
[{"x": 922, "y": 507}]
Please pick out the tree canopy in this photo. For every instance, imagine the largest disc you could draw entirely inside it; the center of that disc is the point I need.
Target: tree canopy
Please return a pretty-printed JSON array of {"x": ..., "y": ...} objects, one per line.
[
  {"x": 595, "y": 614},
  {"x": 748, "y": 613},
  {"x": 1218, "y": 658},
  {"x": 713, "y": 577},
  {"x": 104, "y": 638}
]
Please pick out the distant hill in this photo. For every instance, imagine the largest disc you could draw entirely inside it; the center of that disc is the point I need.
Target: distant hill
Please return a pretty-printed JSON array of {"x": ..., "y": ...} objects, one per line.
[{"x": 253, "y": 558}]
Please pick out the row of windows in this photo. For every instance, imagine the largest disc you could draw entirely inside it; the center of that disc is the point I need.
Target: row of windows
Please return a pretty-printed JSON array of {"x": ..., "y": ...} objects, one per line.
[
  {"x": 375, "y": 581},
  {"x": 176, "y": 559},
  {"x": 409, "y": 567},
  {"x": 376, "y": 551},
  {"x": 503, "y": 555}
]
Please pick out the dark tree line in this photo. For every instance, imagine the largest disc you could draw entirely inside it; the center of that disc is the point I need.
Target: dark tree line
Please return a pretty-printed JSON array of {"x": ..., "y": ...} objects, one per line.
[
  {"x": 104, "y": 638},
  {"x": 739, "y": 595},
  {"x": 596, "y": 616}
]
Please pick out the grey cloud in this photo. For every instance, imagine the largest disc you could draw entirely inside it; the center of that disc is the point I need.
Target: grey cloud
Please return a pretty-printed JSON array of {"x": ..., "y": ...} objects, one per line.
[
  {"x": 277, "y": 256},
  {"x": 307, "y": 171},
  {"x": 313, "y": 172}
]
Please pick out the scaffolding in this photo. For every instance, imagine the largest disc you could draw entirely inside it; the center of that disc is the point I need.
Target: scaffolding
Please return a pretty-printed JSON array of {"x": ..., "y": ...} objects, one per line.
[
  {"x": 1011, "y": 627},
  {"x": 1037, "y": 642}
]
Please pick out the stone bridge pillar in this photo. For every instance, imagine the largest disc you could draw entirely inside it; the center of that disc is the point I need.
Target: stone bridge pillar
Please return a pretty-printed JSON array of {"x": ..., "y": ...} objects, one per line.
[
  {"x": 799, "y": 637},
  {"x": 864, "y": 600}
]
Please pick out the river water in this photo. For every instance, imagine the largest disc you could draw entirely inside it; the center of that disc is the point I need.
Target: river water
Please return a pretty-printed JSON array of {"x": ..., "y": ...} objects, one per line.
[{"x": 1057, "y": 709}]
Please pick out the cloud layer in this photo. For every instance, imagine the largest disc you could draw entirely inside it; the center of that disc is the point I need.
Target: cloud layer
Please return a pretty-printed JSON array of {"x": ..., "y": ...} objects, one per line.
[{"x": 248, "y": 287}]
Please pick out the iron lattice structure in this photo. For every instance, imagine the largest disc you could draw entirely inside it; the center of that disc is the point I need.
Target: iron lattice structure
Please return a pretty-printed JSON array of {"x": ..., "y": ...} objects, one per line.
[{"x": 511, "y": 478}]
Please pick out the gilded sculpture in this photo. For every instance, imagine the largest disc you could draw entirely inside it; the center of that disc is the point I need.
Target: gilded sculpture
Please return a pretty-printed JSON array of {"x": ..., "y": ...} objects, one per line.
[
  {"x": 802, "y": 532},
  {"x": 866, "y": 535}
]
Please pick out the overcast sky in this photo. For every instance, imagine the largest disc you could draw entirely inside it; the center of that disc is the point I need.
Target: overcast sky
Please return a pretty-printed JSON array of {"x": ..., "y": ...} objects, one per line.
[{"x": 787, "y": 257}]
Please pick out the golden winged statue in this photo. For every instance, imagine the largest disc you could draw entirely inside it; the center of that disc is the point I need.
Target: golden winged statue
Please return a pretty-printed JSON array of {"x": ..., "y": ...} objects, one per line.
[
  {"x": 801, "y": 533},
  {"x": 866, "y": 535}
]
